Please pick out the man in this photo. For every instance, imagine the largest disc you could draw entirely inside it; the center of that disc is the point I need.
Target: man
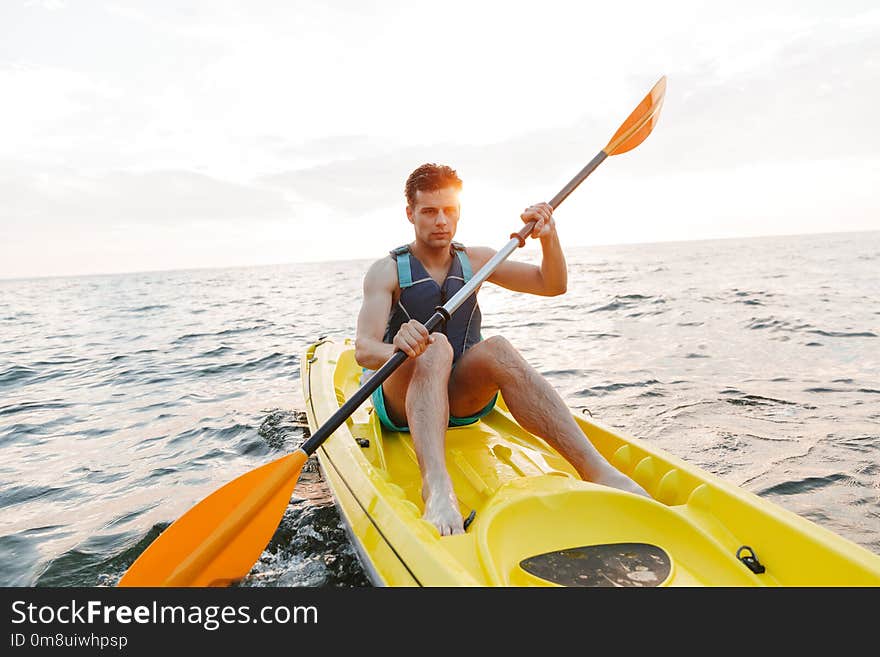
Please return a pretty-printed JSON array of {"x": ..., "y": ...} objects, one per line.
[{"x": 452, "y": 377}]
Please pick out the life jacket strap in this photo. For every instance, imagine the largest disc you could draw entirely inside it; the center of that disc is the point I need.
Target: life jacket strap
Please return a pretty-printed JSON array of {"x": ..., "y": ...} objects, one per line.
[
  {"x": 404, "y": 272},
  {"x": 466, "y": 271}
]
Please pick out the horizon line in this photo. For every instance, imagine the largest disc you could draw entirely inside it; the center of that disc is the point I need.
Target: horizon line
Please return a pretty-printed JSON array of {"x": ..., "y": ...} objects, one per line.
[{"x": 4, "y": 279}]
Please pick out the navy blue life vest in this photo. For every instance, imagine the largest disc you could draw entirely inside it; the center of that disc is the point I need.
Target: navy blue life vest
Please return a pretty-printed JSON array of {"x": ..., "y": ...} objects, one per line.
[{"x": 420, "y": 295}]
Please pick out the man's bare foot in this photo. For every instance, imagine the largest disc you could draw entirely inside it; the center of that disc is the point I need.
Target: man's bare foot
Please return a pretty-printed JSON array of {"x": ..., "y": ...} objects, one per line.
[
  {"x": 616, "y": 479},
  {"x": 441, "y": 510}
]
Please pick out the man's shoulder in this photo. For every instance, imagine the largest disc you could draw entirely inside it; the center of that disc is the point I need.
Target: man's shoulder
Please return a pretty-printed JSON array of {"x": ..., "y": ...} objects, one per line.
[
  {"x": 382, "y": 271},
  {"x": 385, "y": 262},
  {"x": 479, "y": 255}
]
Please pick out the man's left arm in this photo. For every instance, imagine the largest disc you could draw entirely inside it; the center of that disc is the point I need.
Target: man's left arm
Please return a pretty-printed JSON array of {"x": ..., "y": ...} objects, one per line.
[{"x": 551, "y": 277}]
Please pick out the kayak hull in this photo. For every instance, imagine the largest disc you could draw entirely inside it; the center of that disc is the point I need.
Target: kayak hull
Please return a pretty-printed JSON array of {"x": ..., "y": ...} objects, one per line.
[{"x": 536, "y": 523}]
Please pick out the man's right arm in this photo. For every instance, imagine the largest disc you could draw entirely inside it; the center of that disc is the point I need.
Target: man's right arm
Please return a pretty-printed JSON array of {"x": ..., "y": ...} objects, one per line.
[{"x": 379, "y": 284}]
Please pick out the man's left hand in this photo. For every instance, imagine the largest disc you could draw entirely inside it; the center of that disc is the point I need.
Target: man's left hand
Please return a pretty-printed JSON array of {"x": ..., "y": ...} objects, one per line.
[{"x": 542, "y": 215}]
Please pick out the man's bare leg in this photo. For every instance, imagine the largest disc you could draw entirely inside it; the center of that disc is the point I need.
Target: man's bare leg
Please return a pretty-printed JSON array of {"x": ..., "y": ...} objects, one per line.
[
  {"x": 495, "y": 364},
  {"x": 427, "y": 414}
]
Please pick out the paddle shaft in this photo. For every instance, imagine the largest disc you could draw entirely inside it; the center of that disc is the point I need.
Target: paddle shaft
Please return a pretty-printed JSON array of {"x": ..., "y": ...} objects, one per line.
[{"x": 442, "y": 313}]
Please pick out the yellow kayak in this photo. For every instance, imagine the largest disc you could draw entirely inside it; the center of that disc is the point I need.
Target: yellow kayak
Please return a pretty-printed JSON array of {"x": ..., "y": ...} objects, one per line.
[{"x": 536, "y": 523}]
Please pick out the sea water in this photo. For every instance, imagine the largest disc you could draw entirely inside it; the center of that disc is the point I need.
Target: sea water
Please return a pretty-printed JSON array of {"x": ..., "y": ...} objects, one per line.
[{"x": 126, "y": 399}]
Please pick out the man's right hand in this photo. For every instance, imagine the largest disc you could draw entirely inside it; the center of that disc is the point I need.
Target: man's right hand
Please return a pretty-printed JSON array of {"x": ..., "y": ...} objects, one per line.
[{"x": 413, "y": 338}]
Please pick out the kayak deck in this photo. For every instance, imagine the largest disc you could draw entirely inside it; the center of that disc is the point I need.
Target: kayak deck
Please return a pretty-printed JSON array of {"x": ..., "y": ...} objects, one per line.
[{"x": 536, "y": 523}]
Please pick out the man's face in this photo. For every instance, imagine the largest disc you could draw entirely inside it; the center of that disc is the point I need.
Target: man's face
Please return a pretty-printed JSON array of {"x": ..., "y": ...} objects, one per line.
[{"x": 435, "y": 216}]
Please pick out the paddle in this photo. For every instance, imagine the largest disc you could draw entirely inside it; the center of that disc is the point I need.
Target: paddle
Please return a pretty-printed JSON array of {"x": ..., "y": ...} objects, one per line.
[{"x": 219, "y": 540}]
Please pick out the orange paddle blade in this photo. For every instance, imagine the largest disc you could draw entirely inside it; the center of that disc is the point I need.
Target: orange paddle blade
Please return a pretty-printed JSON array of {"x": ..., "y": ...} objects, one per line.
[
  {"x": 639, "y": 124},
  {"x": 219, "y": 540}
]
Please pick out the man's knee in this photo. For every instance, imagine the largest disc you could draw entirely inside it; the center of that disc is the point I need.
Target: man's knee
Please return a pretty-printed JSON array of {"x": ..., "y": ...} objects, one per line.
[
  {"x": 501, "y": 358},
  {"x": 438, "y": 353},
  {"x": 499, "y": 345}
]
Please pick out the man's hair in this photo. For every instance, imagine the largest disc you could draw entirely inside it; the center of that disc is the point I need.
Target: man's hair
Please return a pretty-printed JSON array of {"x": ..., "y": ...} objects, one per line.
[{"x": 429, "y": 178}]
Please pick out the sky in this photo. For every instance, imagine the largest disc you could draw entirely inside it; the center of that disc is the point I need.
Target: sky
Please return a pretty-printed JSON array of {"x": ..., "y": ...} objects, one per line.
[{"x": 172, "y": 135}]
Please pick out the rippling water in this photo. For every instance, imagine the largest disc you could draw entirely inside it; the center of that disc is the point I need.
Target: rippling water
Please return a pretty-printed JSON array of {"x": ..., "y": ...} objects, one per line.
[{"x": 126, "y": 399}]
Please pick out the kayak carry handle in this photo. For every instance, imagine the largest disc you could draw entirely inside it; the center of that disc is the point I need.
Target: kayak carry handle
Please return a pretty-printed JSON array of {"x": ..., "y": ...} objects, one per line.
[{"x": 750, "y": 559}]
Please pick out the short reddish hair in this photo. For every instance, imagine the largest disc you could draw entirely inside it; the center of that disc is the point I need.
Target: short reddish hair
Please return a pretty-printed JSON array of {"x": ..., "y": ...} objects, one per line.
[{"x": 429, "y": 178}]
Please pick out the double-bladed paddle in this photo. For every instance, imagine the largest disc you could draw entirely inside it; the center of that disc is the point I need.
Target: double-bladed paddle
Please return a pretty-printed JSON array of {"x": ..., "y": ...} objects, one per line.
[{"x": 218, "y": 541}]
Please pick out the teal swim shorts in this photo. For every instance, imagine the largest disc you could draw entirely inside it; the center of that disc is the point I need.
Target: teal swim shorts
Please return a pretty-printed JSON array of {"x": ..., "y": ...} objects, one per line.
[{"x": 378, "y": 398}]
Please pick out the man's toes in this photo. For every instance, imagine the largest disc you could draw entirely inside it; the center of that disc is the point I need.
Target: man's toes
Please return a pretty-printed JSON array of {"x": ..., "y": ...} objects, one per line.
[
  {"x": 450, "y": 528},
  {"x": 456, "y": 528}
]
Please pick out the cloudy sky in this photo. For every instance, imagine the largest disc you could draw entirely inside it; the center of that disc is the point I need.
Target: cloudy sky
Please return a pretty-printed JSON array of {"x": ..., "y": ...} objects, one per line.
[{"x": 166, "y": 134}]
